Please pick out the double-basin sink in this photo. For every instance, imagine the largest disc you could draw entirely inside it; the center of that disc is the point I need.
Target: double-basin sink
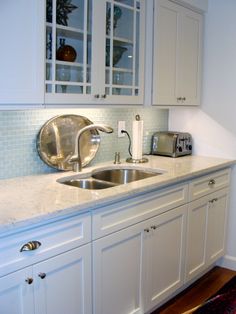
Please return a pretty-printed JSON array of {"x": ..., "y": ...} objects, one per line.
[{"x": 107, "y": 178}]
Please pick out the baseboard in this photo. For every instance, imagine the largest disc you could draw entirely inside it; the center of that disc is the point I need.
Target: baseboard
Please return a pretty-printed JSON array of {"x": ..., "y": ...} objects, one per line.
[{"x": 227, "y": 261}]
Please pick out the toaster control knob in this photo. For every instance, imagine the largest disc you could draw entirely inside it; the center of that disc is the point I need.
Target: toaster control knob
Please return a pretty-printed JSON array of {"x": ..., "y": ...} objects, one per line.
[
  {"x": 190, "y": 147},
  {"x": 180, "y": 149}
]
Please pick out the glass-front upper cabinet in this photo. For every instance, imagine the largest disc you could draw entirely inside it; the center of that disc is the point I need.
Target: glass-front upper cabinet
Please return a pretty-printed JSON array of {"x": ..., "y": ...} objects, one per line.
[
  {"x": 123, "y": 50},
  {"x": 94, "y": 51},
  {"x": 68, "y": 50}
]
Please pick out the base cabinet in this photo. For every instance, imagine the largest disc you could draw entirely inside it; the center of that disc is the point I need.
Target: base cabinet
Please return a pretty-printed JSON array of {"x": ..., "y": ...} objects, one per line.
[
  {"x": 137, "y": 267},
  {"x": 137, "y": 254},
  {"x": 164, "y": 257},
  {"x": 61, "y": 284},
  {"x": 205, "y": 232},
  {"x": 16, "y": 296},
  {"x": 117, "y": 270}
]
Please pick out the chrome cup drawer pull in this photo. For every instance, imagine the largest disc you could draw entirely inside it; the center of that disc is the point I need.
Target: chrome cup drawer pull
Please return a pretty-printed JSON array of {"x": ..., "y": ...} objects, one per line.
[{"x": 30, "y": 246}]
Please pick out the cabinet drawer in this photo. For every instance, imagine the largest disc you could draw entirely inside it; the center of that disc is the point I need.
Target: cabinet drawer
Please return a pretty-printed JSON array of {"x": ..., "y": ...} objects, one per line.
[
  {"x": 133, "y": 210},
  {"x": 55, "y": 237},
  {"x": 208, "y": 184}
]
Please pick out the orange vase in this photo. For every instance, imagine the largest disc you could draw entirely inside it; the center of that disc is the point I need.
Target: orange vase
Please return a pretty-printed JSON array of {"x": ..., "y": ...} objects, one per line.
[{"x": 66, "y": 52}]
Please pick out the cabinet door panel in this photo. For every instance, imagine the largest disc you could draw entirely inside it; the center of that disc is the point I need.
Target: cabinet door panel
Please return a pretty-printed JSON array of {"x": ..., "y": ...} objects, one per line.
[
  {"x": 177, "y": 54},
  {"x": 190, "y": 57},
  {"x": 165, "y": 257},
  {"x": 124, "y": 51},
  {"x": 166, "y": 45},
  {"x": 67, "y": 285},
  {"x": 196, "y": 238},
  {"x": 16, "y": 295},
  {"x": 22, "y": 53},
  {"x": 217, "y": 213},
  {"x": 117, "y": 262}
]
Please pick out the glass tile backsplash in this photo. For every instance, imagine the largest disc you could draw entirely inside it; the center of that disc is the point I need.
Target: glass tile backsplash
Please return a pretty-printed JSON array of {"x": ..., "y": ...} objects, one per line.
[{"x": 19, "y": 129}]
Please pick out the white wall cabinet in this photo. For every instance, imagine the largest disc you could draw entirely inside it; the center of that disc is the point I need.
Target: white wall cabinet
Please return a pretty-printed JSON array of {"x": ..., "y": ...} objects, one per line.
[
  {"x": 22, "y": 52},
  {"x": 106, "y": 62},
  {"x": 177, "y": 54}
]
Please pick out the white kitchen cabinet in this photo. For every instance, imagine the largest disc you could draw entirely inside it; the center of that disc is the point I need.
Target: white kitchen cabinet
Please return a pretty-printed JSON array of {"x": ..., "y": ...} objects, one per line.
[
  {"x": 16, "y": 295},
  {"x": 55, "y": 258},
  {"x": 137, "y": 267},
  {"x": 66, "y": 287},
  {"x": 117, "y": 271},
  {"x": 164, "y": 257},
  {"x": 61, "y": 284},
  {"x": 177, "y": 54},
  {"x": 206, "y": 232},
  {"x": 22, "y": 52},
  {"x": 106, "y": 62}
]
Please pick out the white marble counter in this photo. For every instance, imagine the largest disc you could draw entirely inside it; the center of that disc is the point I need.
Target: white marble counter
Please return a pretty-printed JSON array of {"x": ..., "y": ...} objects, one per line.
[{"x": 32, "y": 199}]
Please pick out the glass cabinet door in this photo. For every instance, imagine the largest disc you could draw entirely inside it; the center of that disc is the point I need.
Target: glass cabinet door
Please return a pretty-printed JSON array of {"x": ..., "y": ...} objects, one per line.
[
  {"x": 122, "y": 59},
  {"x": 68, "y": 46}
]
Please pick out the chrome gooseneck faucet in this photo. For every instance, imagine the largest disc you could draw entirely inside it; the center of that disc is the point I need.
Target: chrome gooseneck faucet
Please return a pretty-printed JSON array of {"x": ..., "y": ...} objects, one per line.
[{"x": 76, "y": 158}]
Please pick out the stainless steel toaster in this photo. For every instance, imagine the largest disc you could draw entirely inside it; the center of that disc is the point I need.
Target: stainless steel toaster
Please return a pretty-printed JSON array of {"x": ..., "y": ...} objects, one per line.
[{"x": 173, "y": 144}]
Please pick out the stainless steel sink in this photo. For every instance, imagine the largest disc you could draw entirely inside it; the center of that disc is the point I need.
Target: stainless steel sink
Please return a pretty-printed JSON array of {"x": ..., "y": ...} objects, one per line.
[
  {"x": 107, "y": 178},
  {"x": 89, "y": 184},
  {"x": 123, "y": 176}
]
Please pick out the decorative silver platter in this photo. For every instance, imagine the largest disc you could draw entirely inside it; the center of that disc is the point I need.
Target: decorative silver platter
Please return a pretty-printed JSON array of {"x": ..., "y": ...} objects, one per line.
[{"x": 56, "y": 141}]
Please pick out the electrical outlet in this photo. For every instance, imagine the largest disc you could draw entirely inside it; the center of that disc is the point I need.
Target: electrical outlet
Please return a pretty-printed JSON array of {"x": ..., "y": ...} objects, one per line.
[{"x": 121, "y": 126}]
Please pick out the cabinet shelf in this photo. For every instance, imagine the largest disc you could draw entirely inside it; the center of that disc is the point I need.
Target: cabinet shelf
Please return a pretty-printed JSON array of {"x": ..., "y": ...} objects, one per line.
[
  {"x": 120, "y": 41},
  {"x": 120, "y": 70}
]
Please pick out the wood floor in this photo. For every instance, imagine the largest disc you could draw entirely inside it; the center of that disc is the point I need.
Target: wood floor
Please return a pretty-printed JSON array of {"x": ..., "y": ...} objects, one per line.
[{"x": 198, "y": 292}]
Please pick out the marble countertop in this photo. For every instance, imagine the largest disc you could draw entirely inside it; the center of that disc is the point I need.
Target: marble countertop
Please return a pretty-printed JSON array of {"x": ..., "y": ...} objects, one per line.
[{"x": 33, "y": 199}]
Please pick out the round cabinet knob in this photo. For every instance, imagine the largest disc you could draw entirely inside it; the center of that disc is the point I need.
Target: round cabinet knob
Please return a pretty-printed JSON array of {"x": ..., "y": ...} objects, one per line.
[
  {"x": 211, "y": 182},
  {"x": 29, "y": 280},
  {"x": 183, "y": 98},
  {"x": 42, "y": 275},
  {"x": 179, "y": 99},
  {"x": 213, "y": 200}
]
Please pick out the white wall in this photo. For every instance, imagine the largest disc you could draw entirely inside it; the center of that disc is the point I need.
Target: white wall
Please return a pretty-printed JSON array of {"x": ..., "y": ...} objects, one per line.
[{"x": 213, "y": 126}]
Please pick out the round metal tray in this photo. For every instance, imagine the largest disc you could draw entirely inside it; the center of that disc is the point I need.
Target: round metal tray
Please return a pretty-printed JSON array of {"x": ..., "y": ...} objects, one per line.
[{"x": 56, "y": 141}]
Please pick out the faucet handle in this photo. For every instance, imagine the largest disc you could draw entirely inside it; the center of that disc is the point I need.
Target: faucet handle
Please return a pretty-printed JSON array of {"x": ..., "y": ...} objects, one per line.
[{"x": 117, "y": 158}]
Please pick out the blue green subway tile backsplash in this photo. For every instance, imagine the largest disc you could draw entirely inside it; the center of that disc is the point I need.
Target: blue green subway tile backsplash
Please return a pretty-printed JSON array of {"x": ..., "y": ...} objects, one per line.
[{"x": 19, "y": 129}]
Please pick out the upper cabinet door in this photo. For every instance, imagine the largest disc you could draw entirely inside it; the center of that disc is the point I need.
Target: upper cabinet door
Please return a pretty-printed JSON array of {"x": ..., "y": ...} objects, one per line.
[
  {"x": 190, "y": 58},
  {"x": 22, "y": 52},
  {"x": 124, "y": 51},
  {"x": 68, "y": 51},
  {"x": 94, "y": 51},
  {"x": 177, "y": 55}
]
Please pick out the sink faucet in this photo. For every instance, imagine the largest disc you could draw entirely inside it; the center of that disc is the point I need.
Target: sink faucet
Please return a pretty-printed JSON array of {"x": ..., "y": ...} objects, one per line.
[{"x": 76, "y": 158}]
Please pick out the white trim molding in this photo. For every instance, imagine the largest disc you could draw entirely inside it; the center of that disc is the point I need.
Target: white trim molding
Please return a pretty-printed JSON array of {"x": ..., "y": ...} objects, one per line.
[{"x": 228, "y": 261}]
